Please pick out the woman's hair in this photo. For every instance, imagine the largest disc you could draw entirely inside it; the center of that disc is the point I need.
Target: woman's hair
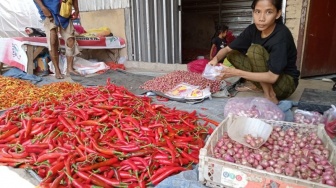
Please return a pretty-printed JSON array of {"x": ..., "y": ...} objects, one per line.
[
  {"x": 276, "y": 3},
  {"x": 219, "y": 29}
]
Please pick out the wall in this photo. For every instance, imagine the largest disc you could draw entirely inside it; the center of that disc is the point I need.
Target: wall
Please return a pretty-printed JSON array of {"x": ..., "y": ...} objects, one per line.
[
  {"x": 293, "y": 16},
  {"x": 113, "y": 19},
  {"x": 197, "y": 29}
]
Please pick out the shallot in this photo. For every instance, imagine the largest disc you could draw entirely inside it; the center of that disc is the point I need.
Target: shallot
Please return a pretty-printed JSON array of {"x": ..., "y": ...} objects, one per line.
[
  {"x": 254, "y": 142},
  {"x": 287, "y": 152}
]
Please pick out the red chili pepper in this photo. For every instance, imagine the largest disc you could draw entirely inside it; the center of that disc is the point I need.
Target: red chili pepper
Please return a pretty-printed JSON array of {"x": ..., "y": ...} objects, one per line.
[
  {"x": 65, "y": 123},
  {"x": 54, "y": 169},
  {"x": 84, "y": 115},
  {"x": 100, "y": 164},
  {"x": 18, "y": 155},
  {"x": 4, "y": 153},
  {"x": 140, "y": 153},
  {"x": 57, "y": 181},
  {"x": 12, "y": 138},
  {"x": 132, "y": 165},
  {"x": 164, "y": 172},
  {"x": 110, "y": 181},
  {"x": 210, "y": 121},
  {"x": 103, "y": 118},
  {"x": 119, "y": 134},
  {"x": 77, "y": 183},
  {"x": 9, "y": 133},
  {"x": 186, "y": 145},
  {"x": 13, "y": 160},
  {"x": 28, "y": 128},
  {"x": 89, "y": 123},
  {"x": 108, "y": 152},
  {"x": 47, "y": 156},
  {"x": 125, "y": 175},
  {"x": 93, "y": 179},
  {"x": 37, "y": 129},
  {"x": 189, "y": 157}
]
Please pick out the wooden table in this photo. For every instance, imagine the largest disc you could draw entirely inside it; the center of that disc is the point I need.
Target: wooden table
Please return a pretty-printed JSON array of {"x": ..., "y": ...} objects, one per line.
[
  {"x": 32, "y": 53},
  {"x": 35, "y": 45}
]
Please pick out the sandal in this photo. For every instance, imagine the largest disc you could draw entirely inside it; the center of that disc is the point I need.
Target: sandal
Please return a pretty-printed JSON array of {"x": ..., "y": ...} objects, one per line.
[
  {"x": 247, "y": 87},
  {"x": 334, "y": 87}
]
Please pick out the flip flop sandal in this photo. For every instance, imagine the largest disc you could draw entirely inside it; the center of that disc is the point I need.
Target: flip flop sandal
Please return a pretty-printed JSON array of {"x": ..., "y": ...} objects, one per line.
[{"x": 247, "y": 89}]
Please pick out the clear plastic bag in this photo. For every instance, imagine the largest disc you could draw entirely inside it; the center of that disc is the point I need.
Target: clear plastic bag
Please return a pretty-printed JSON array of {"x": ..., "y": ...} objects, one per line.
[
  {"x": 330, "y": 121},
  {"x": 253, "y": 107},
  {"x": 267, "y": 109},
  {"x": 181, "y": 90},
  {"x": 211, "y": 72},
  {"x": 308, "y": 117}
]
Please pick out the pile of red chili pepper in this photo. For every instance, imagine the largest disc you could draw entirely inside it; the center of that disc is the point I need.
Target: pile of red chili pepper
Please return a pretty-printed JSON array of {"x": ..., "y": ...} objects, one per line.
[
  {"x": 20, "y": 92},
  {"x": 103, "y": 136}
]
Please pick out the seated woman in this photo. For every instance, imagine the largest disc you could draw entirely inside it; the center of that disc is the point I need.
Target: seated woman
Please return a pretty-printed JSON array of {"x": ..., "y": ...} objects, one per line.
[{"x": 264, "y": 53}]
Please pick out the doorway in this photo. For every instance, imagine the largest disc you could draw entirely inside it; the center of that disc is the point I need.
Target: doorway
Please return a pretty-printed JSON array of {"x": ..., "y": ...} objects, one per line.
[
  {"x": 200, "y": 18},
  {"x": 319, "y": 47}
]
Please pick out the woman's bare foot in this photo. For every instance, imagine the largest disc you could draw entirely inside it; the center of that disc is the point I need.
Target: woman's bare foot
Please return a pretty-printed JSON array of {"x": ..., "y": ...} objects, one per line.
[{"x": 272, "y": 99}]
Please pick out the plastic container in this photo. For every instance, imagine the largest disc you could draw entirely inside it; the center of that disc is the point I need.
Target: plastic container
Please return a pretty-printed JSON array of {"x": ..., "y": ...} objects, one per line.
[
  {"x": 244, "y": 126},
  {"x": 218, "y": 173}
]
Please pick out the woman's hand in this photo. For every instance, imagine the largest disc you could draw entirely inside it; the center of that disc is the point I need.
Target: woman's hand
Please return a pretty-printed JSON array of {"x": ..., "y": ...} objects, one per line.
[
  {"x": 227, "y": 72},
  {"x": 213, "y": 61}
]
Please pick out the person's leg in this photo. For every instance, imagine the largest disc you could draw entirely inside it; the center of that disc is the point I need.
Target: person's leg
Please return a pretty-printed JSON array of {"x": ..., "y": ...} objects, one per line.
[
  {"x": 259, "y": 57},
  {"x": 242, "y": 62},
  {"x": 256, "y": 61},
  {"x": 53, "y": 45},
  {"x": 71, "y": 48}
]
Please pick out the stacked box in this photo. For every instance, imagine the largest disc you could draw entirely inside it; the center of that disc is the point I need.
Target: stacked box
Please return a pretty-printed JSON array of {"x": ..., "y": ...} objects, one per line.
[{"x": 218, "y": 173}]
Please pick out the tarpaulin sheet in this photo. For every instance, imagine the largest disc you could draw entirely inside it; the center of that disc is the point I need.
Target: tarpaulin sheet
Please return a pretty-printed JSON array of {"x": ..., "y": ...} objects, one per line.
[{"x": 15, "y": 15}]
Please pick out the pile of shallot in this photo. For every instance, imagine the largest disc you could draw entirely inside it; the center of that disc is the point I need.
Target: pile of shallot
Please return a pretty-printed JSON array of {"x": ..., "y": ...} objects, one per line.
[
  {"x": 286, "y": 152},
  {"x": 169, "y": 81}
]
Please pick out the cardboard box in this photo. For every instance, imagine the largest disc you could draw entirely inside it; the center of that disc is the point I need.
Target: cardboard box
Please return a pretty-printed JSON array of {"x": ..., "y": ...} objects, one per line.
[
  {"x": 41, "y": 64},
  {"x": 215, "y": 172}
]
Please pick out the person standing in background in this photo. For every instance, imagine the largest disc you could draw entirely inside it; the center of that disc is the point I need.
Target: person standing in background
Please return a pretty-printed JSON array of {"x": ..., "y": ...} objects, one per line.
[
  {"x": 59, "y": 19},
  {"x": 218, "y": 41}
]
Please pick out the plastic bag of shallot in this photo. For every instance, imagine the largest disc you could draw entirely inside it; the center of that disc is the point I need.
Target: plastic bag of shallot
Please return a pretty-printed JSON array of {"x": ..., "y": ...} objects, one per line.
[
  {"x": 253, "y": 107},
  {"x": 308, "y": 117},
  {"x": 330, "y": 121}
]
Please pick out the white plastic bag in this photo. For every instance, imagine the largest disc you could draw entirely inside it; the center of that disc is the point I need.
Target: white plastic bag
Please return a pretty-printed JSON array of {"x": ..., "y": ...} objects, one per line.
[
  {"x": 83, "y": 66},
  {"x": 211, "y": 72},
  {"x": 62, "y": 65}
]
